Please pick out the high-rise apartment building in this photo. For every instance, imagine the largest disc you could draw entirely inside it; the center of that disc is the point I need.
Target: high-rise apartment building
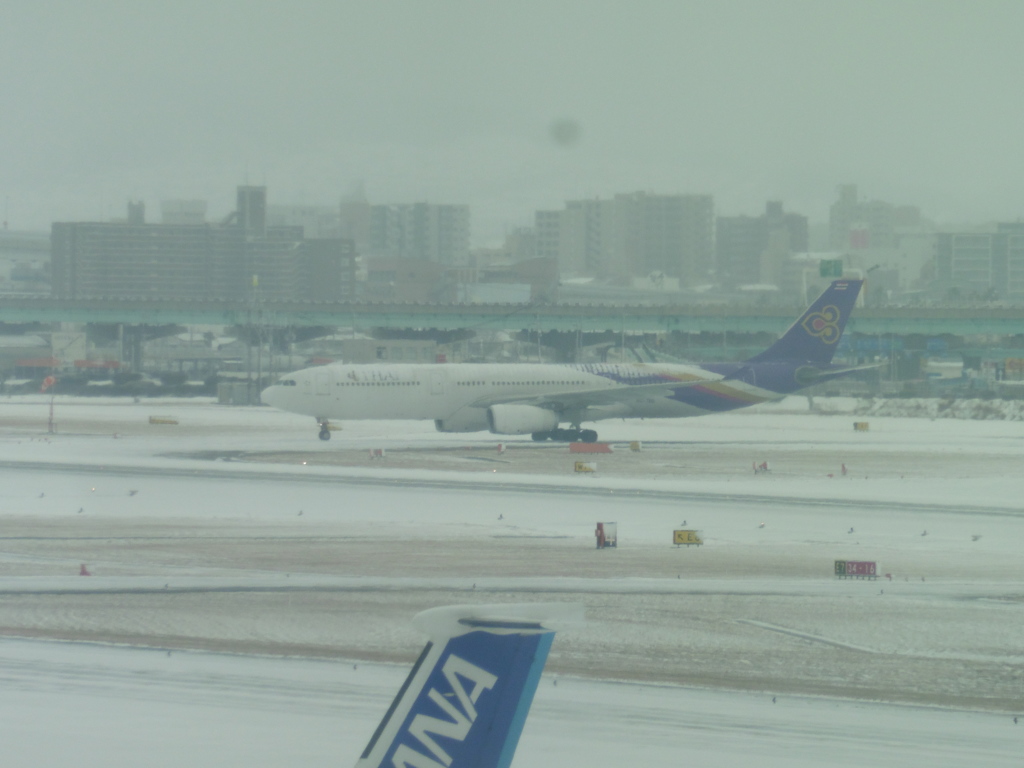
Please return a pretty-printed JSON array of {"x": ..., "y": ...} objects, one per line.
[
  {"x": 548, "y": 228},
  {"x": 438, "y": 233},
  {"x": 743, "y": 244},
  {"x": 238, "y": 259},
  {"x": 317, "y": 221},
  {"x": 631, "y": 235},
  {"x": 587, "y": 237},
  {"x": 981, "y": 264},
  {"x": 854, "y": 224},
  {"x": 670, "y": 234}
]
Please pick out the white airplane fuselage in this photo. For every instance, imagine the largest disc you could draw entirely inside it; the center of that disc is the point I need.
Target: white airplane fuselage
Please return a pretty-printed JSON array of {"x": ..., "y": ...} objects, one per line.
[{"x": 457, "y": 397}]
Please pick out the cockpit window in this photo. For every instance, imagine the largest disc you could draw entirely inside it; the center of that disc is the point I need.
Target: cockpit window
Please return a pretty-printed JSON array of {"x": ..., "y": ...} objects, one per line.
[{"x": 287, "y": 383}]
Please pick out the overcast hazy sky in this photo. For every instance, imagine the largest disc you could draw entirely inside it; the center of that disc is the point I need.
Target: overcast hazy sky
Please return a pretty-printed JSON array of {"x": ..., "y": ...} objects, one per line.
[{"x": 453, "y": 101}]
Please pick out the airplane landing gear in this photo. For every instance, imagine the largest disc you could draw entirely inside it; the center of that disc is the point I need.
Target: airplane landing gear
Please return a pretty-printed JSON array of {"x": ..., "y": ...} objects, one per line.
[
  {"x": 575, "y": 435},
  {"x": 325, "y": 429}
]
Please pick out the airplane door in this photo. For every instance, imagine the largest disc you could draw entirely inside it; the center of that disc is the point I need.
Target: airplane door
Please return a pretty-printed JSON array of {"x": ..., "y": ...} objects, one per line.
[
  {"x": 436, "y": 383},
  {"x": 748, "y": 376},
  {"x": 323, "y": 382}
]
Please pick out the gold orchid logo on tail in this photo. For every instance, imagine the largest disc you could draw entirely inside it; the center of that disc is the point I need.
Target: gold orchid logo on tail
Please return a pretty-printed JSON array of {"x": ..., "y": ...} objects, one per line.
[{"x": 824, "y": 324}]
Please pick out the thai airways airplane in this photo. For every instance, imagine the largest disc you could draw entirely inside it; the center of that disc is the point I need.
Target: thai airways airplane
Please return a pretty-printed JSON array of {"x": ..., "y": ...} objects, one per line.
[
  {"x": 511, "y": 399},
  {"x": 466, "y": 699}
]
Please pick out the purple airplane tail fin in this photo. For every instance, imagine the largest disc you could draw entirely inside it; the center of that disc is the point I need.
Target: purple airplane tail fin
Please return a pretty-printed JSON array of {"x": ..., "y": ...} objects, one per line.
[{"x": 814, "y": 337}]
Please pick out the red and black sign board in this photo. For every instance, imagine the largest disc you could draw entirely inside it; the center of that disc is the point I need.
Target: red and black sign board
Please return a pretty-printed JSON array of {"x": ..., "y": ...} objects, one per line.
[{"x": 856, "y": 569}]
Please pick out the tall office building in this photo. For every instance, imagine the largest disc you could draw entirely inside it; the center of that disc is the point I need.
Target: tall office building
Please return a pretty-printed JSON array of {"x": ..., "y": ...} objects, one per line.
[{"x": 252, "y": 211}]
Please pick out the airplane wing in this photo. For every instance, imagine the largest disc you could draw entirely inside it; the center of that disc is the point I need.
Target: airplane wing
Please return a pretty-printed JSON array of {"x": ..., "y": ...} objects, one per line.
[
  {"x": 852, "y": 368},
  {"x": 807, "y": 375},
  {"x": 594, "y": 397}
]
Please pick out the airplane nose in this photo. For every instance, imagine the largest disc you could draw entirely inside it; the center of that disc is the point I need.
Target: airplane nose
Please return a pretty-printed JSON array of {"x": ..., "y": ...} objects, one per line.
[{"x": 271, "y": 395}]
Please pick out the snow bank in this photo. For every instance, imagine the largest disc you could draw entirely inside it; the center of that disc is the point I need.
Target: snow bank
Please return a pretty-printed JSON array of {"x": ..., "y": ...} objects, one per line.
[
  {"x": 908, "y": 407},
  {"x": 936, "y": 408}
]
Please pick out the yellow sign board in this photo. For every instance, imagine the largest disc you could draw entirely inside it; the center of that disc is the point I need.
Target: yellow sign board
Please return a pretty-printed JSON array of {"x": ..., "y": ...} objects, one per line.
[{"x": 686, "y": 537}]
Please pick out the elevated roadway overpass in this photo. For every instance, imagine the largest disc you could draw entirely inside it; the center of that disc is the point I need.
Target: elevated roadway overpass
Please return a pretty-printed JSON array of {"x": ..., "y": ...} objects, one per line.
[{"x": 930, "y": 321}]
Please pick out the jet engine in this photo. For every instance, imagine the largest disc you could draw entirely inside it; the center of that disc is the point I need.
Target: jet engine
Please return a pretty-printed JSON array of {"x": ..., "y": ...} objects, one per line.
[
  {"x": 465, "y": 420},
  {"x": 520, "y": 419}
]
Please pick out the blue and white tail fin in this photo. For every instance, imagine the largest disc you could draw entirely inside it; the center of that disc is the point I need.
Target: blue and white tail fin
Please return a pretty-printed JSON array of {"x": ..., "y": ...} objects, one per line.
[
  {"x": 465, "y": 702},
  {"x": 815, "y": 335}
]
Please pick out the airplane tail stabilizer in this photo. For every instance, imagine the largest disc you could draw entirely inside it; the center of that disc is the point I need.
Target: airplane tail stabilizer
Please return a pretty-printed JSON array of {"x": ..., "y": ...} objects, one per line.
[
  {"x": 465, "y": 701},
  {"x": 815, "y": 335}
]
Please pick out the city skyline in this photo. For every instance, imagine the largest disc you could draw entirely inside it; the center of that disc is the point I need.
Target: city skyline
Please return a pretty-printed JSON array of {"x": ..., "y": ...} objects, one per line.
[{"x": 511, "y": 109}]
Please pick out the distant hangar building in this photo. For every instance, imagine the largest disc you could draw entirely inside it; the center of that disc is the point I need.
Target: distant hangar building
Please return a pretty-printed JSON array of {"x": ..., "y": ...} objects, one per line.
[{"x": 192, "y": 259}]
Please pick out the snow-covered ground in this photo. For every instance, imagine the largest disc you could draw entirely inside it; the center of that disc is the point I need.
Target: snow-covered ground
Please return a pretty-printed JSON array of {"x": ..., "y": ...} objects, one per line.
[
  {"x": 102, "y": 707},
  {"x": 236, "y": 532}
]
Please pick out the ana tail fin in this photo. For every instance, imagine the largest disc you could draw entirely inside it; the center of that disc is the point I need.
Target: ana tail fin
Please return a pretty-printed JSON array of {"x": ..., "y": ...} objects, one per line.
[
  {"x": 465, "y": 702},
  {"x": 815, "y": 335}
]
